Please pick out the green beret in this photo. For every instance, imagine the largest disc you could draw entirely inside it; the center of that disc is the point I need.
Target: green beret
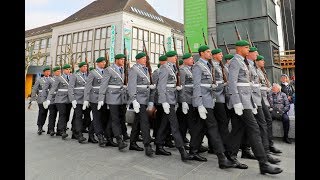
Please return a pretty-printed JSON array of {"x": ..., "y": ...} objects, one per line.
[
  {"x": 81, "y": 64},
  {"x": 140, "y": 55},
  {"x": 66, "y": 66},
  {"x": 119, "y": 56},
  {"x": 216, "y": 51},
  {"x": 171, "y": 53},
  {"x": 186, "y": 56},
  {"x": 163, "y": 58},
  {"x": 56, "y": 68},
  {"x": 260, "y": 58},
  {"x": 180, "y": 62},
  {"x": 159, "y": 65},
  {"x": 203, "y": 48},
  {"x": 242, "y": 43},
  {"x": 253, "y": 49},
  {"x": 77, "y": 70},
  {"x": 228, "y": 56},
  {"x": 46, "y": 68},
  {"x": 91, "y": 68},
  {"x": 100, "y": 59}
]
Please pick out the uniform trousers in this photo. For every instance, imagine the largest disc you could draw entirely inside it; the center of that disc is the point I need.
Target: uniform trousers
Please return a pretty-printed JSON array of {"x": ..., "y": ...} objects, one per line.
[
  {"x": 64, "y": 115},
  {"x": 53, "y": 111},
  {"x": 42, "y": 115},
  {"x": 141, "y": 119},
  {"x": 268, "y": 119},
  {"x": 98, "y": 118},
  {"x": 117, "y": 115}
]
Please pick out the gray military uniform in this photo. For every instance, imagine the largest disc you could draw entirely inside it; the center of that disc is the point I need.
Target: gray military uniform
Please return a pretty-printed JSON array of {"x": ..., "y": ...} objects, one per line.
[
  {"x": 186, "y": 78},
  {"x": 264, "y": 88},
  {"x": 91, "y": 91},
  {"x": 256, "y": 93},
  {"x": 47, "y": 87},
  {"x": 59, "y": 90},
  {"x": 202, "y": 87},
  {"x": 219, "y": 92},
  {"x": 154, "y": 92},
  {"x": 167, "y": 84},
  {"x": 76, "y": 87},
  {"x": 111, "y": 89},
  {"x": 37, "y": 90}
]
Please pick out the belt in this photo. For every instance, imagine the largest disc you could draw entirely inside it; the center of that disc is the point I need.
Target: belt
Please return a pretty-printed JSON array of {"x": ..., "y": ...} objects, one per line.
[
  {"x": 256, "y": 85},
  {"x": 171, "y": 85},
  {"x": 264, "y": 88},
  {"x": 143, "y": 86},
  {"x": 219, "y": 82},
  {"x": 40, "y": 90},
  {"x": 206, "y": 85},
  {"x": 114, "y": 86},
  {"x": 63, "y": 90},
  {"x": 188, "y": 85},
  {"x": 243, "y": 84},
  {"x": 79, "y": 88},
  {"x": 96, "y": 87}
]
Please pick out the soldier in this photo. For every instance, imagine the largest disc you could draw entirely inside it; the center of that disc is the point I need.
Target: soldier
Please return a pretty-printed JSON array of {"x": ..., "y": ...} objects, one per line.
[
  {"x": 113, "y": 92},
  {"x": 139, "y": 95},
  {"x": 228, "y": 108},
  {"x": 227, "y": 58},
  {"x": 52, "y": 107},
  {"x": 203, "y": 100},
  {"x": 287, "y": 88},
  {"x": 279, "y": 103},
  {"x": 168, "y": 98},
  {"x": 76, "y": 92},
  {"x": 187, "y": 109},
  {"x": 241, "y": 99},
  {"x": 257, "y": 99},
  {"x": 36, "y": 94},
  {"x": 91, "y": 94},
  {"x": 265, "y": 89},
  {"x": 60, "y": 86}
]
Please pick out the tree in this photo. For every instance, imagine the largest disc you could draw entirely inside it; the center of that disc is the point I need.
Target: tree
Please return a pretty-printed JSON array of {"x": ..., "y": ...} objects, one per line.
[{"x": 31, "y": 57}]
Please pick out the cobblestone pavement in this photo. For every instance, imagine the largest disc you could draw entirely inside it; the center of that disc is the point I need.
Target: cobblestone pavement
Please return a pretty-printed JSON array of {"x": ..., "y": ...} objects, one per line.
[{"x": 53, "y": 158}]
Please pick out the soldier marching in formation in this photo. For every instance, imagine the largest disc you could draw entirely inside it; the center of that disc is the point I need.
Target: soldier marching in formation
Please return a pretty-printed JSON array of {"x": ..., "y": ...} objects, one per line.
[{"x": 200, "y": 98}]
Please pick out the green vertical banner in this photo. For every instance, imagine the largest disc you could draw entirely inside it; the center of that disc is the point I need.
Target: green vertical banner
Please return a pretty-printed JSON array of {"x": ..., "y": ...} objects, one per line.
[
  {"x": 169, "y": 44},
  {"x": 127, "y": 34},
  {"x": 195, "y": 18},
  {"x": 113, "y": 39}
]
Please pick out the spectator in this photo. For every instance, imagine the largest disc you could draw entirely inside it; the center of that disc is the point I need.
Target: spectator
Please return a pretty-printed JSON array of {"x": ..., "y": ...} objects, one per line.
[{"x": 286, "y": 87}]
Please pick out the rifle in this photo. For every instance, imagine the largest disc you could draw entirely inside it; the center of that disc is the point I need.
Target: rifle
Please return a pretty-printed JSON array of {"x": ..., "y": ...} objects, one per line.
[
  {"x": 177, "y": 62},
  {"x": 51, "y": 66},
  {"x": 236, "y": 29},
  {"x": 126, "y": 65},
  {"x": 189, "y": 49},
  {"x": 86, "y": 59},
  {"x": 249, "y": 39},
  {"x": 209, "y": 61},
  {"x": 164, "y": 48},
  {"x": 106, "y": 55},
  {"x": 148, "y": 62},
  {"x": 220, "y": 63},
  {"x": 225, "y": 44}
]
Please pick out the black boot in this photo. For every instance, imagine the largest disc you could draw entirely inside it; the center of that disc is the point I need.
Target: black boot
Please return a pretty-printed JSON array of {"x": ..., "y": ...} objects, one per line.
[
  {"x": 126, "y": 136},
  {"x": 233, "y": 159},
  {"x": 169, "y": 144},
  {"x": 266, "y": 167},
  {"x": 134, "y": 146},
  {"x": 184, "y": 155},
  {"x": 101, "y": 140},
  {"x": 121, "y": 144},
  {"x": 196, "y": 156},
  {"x": 287, "y": 140},
  {"x": 161, "y": 151},
  {"x": 202, "y": 149},
  {"x": 274, "y": 150},
  {"x": 92, "y": 139},
  {"x": 247, "y": 154},
  {"x": 39, "y": 130},
  {"x": 74, "y": 135},
  {"x": 187, "y": 147},
  {"x": 51, "y": 132},
  {"x": 211, "y": 151},
  {"x": 224, "y": 162},
  {"x": 111, "y": 143},
  {"x": 64, "y": 135},
  {"x": 272, "y": 160},
  {"x": 81, "y": 139},
  {"x": 149, "y": 151}
]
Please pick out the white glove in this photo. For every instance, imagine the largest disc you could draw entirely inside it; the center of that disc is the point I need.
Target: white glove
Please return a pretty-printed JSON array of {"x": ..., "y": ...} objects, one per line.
[
  {"x": 166, "y": 107},
  {"x": 46, "y": 104},
  {"x": 150, "y": 106},
  {"x": 238, "y": 109},
  {"x": 226, "y": 83},
  {"x": 271, "y": 109},
  {"x": 214, "y": 86},
  {"x": 254, "y": 110},
  {"x": 202, "y": 112},
  {"x": 74, "y": 104},
  {"x": 108, "y": 106},
  {"x": 136, "y": 106},
  {"x": 152, "y": 86},
  {"x": 85, "y": 105},
  {"x": 185, "y": 107},
  {"x": 124, "y": 86},
  {"x": 100, "y": 104},
  {"x": 179, "y": 87}
]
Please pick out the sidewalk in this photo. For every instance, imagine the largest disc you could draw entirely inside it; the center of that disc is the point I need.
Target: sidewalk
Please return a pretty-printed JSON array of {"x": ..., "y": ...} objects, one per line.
[{"x": 49, "y": 157}]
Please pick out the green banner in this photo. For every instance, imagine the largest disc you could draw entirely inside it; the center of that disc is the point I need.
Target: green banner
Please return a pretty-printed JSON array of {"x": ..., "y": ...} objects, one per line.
[
  {"x": 195, "y": 18},
  {"x": 113, "y": 38}
]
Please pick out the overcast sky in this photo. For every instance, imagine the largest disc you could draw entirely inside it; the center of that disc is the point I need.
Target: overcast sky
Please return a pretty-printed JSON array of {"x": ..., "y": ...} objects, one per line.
[{"x": 43, "y": 12}]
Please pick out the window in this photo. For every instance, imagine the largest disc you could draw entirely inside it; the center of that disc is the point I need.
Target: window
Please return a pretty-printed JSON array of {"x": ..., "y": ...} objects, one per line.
[
  {"x": 101, "y": 43},
  {"x": 75, "y": 37},
  {"x": 43, "y": 43},
  {"x": 156, "y": 47},
  {"x": 138, "y": 35},
  {"x": 49, "y": 42},
  {"x": 36, "y": 45},
  {"x": 179, "y": 46}
]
